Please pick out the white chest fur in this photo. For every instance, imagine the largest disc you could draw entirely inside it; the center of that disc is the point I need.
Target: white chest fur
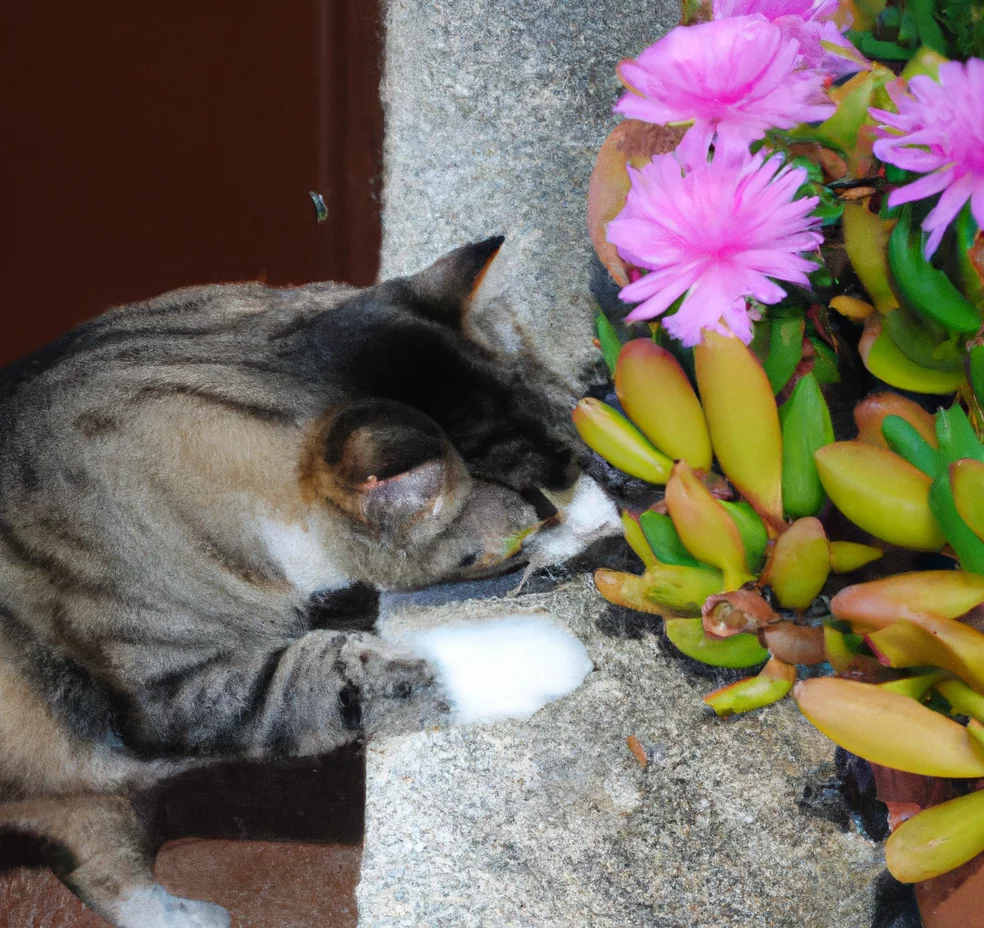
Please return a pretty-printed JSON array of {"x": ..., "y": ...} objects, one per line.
[{"x": 300, "y": 551}]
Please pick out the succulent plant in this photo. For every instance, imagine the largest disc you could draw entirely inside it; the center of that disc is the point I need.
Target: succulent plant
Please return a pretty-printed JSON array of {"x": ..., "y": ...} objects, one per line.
[{"x": 740, "y": 554}]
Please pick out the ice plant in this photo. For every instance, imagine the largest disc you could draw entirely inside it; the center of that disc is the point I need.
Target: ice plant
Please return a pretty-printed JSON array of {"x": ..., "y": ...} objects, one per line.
[
  {"x": 938, "y": 131},
  {"x": 809, "y": 22},
  {"x": 698, "y": 230},
  {"x": 717, "y": 231},
  {"x": 734, "y": 78}
]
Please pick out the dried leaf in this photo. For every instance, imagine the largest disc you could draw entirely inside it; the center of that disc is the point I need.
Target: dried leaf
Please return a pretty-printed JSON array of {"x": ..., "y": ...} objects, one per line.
[{"x": 631, "y": 141}]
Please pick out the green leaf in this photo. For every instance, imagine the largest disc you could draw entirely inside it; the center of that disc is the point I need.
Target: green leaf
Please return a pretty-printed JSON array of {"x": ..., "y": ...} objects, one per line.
[
  {"x": 930, "y": 32},
  {"x": 977, "y": 371},
  {"x": 608, "y": 338},
  {"x": 785, "y": 351},
  {"x": 665, "y": 541},
  {"x": 688, "y": 636},
  {"x": 956, "y": 436},
  {"x": 871, "y": 47},
  {"x": 754, "y": 535},
  {"x": 908, "y": 30},
  {"x": 905, "y": 440},
  {"x": 965, "y": 20},
  {"x": 897, "y": 175},
  {"x": 826, "y": 367},
  {"x": 806, "y": 427},
  {"x": 889, "y": 19}
]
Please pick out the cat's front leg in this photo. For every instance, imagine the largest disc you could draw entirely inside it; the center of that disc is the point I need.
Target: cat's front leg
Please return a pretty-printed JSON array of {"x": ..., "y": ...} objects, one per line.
[
  {"x": 328, "y": 687},
  {"x": 311, "y": 697},
  {"x": 390, "y": 688}
]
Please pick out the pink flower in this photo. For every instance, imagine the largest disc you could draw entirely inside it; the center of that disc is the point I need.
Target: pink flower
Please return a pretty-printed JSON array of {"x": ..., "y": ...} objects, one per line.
[
  {"x": 939, "y": 130},
  {"x": 735, "y": 78},
  {"x": 716, "y": 231},
  {"x": 811, "y": 23}
]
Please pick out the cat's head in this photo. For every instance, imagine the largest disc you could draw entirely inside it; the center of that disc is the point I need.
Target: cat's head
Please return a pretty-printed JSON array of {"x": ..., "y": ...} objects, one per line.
[
  {"x": 414, "y": 513},
  {"x": 437, "y": 459}
]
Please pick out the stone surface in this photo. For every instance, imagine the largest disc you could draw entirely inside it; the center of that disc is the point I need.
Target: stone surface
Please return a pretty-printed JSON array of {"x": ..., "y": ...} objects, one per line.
[
  {"x": 553, "y": 822},
  {"x": 495, "y": 109}
]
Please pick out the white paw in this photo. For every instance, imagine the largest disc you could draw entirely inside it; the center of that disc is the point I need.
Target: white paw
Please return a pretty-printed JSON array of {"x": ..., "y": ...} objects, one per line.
[
  {"x": 504, "y": 668},
  {"x": 155, "y": 907}
]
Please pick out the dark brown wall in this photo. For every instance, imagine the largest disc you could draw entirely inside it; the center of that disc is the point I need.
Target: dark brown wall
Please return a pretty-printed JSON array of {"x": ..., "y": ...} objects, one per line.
[{"x": 145, "y": 147}]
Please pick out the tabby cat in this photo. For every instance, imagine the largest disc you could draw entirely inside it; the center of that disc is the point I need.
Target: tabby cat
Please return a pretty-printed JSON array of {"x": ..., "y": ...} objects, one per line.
[{"x": 178, "y": 477}]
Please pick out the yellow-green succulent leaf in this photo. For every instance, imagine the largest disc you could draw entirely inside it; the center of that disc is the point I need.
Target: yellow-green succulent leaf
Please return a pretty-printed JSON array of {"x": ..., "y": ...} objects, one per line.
[
  {"x": 846, "y": 556},
  {"x": 866, "y": 243},
  {"x": 976, "y": 730},
  {"x": 771, "y": 684},
  {"x": 962, "y": 699},
  {"x": 663, "y": 589},
  {"x": 887, "y": 362},
  {"x": 925, "y": 61},
  {"x": 947, "y": 594},
  {"x": 926, "y": 640},
  {"x": 681, "y": 588},
  {"x": 937, "y": 840},
  {"x": 917, "y": 686},
  {"x": 738, "y": 651},
  {"x": 637, "y": 540},
  {"x": 967, "y": 485},
  {"x": 799, "y": 564},
  {"x": 851, "y": 307},
  {"x": 881, "y": 493},
  {"x": 743, "y": 421},
  {"x": 837, "y": 648},
  {"x": 888, "y": 728},
  {"x": 625, "y": 589},
  {"x": 618, "y": 441},
  {"x": 870, "y": 413},
  {"x": 657, "y": 396},
  {"x": 705, "y": 527}
]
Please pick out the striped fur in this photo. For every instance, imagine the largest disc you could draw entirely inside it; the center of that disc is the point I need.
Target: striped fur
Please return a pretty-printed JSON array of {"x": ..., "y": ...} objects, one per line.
[{"x": 180, "y": 477}]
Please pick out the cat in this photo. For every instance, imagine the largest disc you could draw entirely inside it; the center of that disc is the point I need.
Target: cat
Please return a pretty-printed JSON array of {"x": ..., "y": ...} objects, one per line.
[{"x": 181, "y": 479}]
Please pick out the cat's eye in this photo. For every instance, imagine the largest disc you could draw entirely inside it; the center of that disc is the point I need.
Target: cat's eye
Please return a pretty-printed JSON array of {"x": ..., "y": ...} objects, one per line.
[{"x": 468, "y": 560}]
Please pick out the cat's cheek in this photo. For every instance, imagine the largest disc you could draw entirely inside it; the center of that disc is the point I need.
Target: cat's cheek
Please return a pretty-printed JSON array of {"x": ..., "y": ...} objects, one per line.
[{"x": 503, "y": 668}]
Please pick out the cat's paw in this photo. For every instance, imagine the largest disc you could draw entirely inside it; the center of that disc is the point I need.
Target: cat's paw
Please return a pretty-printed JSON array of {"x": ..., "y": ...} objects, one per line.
[
  {"x": 155, "y": 907},
  {"x": 504, "y": 668},
  {"x": 383, "y": 669},
  {"x": 397, "y": 689}
]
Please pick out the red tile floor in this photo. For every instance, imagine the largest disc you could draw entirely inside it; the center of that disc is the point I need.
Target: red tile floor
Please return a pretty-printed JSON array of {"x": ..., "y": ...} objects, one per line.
[{"x": 279, "y": 846}]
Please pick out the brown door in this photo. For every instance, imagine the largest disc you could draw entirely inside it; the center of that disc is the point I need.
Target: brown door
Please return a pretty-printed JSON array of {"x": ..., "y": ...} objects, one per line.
[{"x": 148, "y": 146}]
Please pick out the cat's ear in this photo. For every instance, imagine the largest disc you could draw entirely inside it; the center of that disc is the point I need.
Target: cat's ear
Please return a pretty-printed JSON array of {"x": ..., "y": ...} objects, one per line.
[
  {"x": 445, "y": 289},
  {"x": 384, "y": 464}
]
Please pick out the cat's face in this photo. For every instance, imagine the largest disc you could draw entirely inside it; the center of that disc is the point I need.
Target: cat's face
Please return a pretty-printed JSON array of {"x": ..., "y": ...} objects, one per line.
[
  {"x": 415, "y": 514},
  {"x": 433, "y": 472}
]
